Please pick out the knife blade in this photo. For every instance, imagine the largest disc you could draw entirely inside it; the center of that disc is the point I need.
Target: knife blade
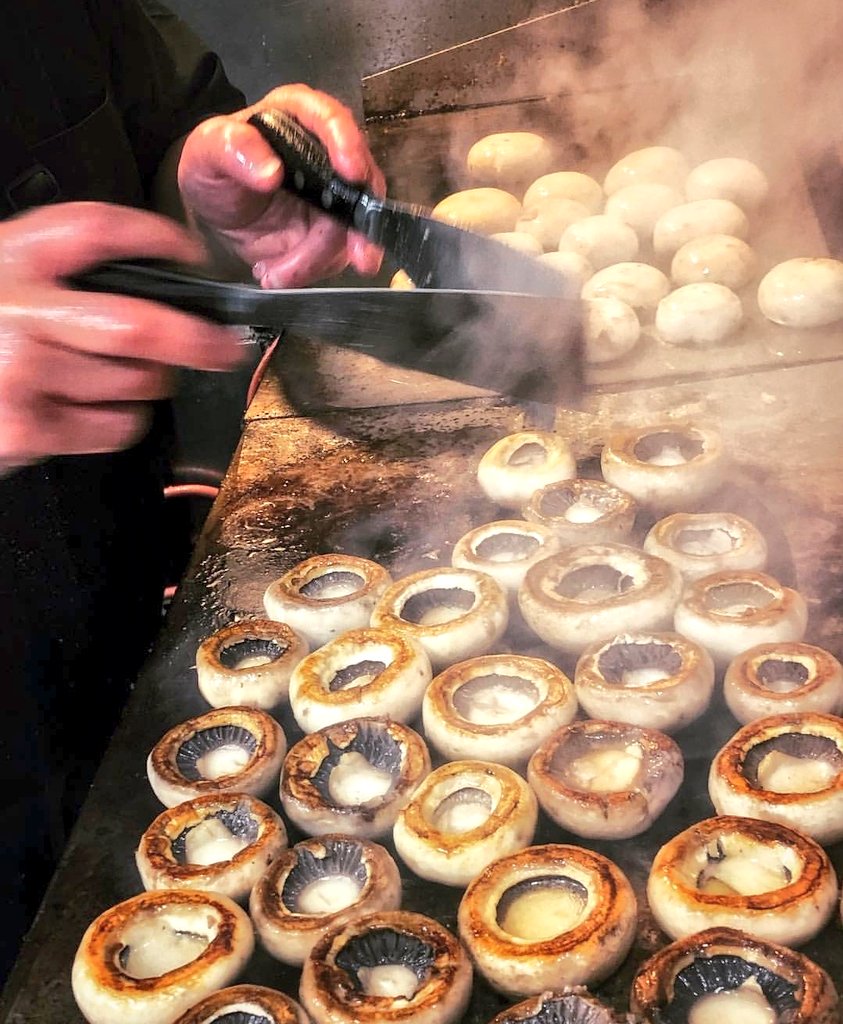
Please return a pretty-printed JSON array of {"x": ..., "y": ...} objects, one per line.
[
  {"x": 434, "y": 254},
  {"x": 510, "y": 343}
]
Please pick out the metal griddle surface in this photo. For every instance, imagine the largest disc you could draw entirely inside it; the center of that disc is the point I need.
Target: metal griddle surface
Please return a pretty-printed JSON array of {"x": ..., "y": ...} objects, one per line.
[{"x": 398, "y": 486}]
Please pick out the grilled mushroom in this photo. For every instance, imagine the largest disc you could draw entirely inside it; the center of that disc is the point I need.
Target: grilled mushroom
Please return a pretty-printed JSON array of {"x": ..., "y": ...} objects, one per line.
[
  {"x": 586, "y": 594},
  {"x": 606, "y": 780},
  {"x": 545, "y": 219},
  {"x": 669, "y": 466},
  {"x": 149, "y": 959},
  {"x": 603, "y": 240},
  {"x": 701, "y": 543},
  {"x": 703, "y": 313},
  {"x": 694, "y": 220},
  {"x": 363, "y": 671},
  {"x": 722, "y": 974},
  {"x": 786, "y": 768},
  {"x": 326, "y": 595},
  {"x": 610, "y": 330},
  {"x": 504, "y": 550},
  {"x": 519, "y": 464},
  {"x": 660, "y": 680},
  {"x": 509, "y": 159},
  {"x": 803, "y": 292},
  {"x": 225, "y": 750},
  {"x": 759, "y": 876},
  {"x": 565, "y": 1006},
  {"x": 546, "y": 917},
  {"x": 574, "y": 267},
  {"x": 640, "y": 205},
  {"x": 463, "y": 816},
  {"x": 661, "y": 164},
  {"x": 389, "y": 966},
  {"x": 720, "y": 259},
  {"x": 583, "y": 511},
  {"x": 353, "y": 777},
  {"x": 221, "y": 842},
  {"x": 320, "y": 884},
  {"x": 567, "y": 185},
  {"x": 729, "y": 177},
  {"x": 485, "y": 210},
  {"x": 730, "y": 611},
  {"x": 453, "y": 613},
  {"x": 772, "y": 679},
  {"x": 248, "y": 663},
  {"x": 637, "y": 284},
  {"x": 496, "y": 708},
  {"x": 246, "y": 1004}
]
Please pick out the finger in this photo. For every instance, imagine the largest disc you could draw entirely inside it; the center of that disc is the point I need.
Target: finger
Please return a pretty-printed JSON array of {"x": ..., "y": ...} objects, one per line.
[
  {"x": 79, "y": 378},
  {"x": 120, "y": 326},
  {"x": 56, "y": 241},
  {"x": 363, "y": 255},
  {"x": 318, "y": 255}
]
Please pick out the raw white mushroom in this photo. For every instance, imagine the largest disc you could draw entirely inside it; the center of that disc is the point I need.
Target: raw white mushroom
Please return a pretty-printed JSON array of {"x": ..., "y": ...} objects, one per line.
[
  {"x": 485, "y": 210},
  {"x": 571, "y": 264},
  {"x": 717, "y": 259},
  {"x": 546, "y": 218},
  {"x": 521, "y": 241},
  {"x": 401, "y": 281},
  {"x": 637, "y": 284},
  {"x": 729, "y": 177},
  {"x": 661, "y": 164},
  {"x": 695, "y": 219},
  {"x": 803, "y": 292},
  {"x": 610, "y": 329},
  {"x": 601, "y": 239},
  {"x": 567, "y": 185},
  {"x": 508, "y": 159},
  {"x": 640, "y": 206},
  {"x": 699, "y": 314}
]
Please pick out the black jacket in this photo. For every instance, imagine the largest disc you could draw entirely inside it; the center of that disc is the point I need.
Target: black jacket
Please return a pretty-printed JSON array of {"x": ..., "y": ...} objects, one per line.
[{"x": 93, "y": 94}]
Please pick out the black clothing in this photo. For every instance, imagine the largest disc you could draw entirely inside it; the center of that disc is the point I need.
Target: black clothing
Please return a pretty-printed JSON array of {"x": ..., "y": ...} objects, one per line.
[{"x": 93, "y": 94}]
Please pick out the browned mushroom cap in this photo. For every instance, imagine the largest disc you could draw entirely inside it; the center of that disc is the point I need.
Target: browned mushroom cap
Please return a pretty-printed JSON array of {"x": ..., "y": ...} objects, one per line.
[
  {"x": 220, "y": 842},
  {"x": 779, "y": 678},
  {"x": 318, "y": 884},
  {"x": 728, "y": 612},
  {"x": 453, "y": 613},
  {"x": 464, "y": 815},
  {"x": 751, "y": 973},
  {"x": 246, "y": 1004},
  {"x": 586, "y": 594},
  {"x": 564, "y": 1006},
  {"x": 762, "y": 877},
  {"x": 785, "y": 768},
  {"x": 583, "y": 511},
  {"x": 235, "y": 749},
  {"x": 388, "y": 966},
  {"x": 546, "y": 917},
  {"x": 701, "y": 543},
  {"x": 606, "y": 780},
  {"x": 153, "y": 956},
  {"x": 520, "y": 463},
  {"x": 326, "y": 595},
  {"x": 498, "y": 707},
  {"x": 661, "y": 680},
  {"x": 504, "y": 550},
  {"x": 670, "y": 466},
  {"x": 248, "y": 663},
  {"x": 353, "y": 777}
]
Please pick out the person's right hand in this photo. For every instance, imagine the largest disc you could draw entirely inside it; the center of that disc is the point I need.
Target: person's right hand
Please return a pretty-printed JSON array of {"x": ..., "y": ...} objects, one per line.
[{"x": 78, "y": 369}]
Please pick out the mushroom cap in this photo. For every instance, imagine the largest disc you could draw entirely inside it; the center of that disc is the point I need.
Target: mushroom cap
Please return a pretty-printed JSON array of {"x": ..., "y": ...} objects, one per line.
[{"x": 253, "y": 1001}]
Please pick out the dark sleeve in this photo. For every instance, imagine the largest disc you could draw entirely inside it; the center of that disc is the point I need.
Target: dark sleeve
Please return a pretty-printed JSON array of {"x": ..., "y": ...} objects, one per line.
[{"x": 164, "y": 80}]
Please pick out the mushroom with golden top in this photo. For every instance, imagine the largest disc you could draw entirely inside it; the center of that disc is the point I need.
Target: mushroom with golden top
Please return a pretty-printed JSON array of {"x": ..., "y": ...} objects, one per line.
[
  {"x": 498, "y": 707},
  {"x": 464, "y": 815},
  {"x": 547, "y": 917},
  {"x": 803, "y": 292},
  {"x": 583, "y": 511},
  {"x": 786, "y": 768},
  {"x": 152, "y": 957},
  {"x": 509, "y": 160},
  {"x": 725, "y": 974},
  {"x": 488, "y": 211},
  {"x": 504, "y": 550},
  {"x": 353, "y": 777},
  {"x": 384, "y": 967},
  {"x": 606, "y": 780},
  {"x": 700, "y": 543},
  {"x": 316, "y": 885},
  {"x": 570, "y": 1005},
  {"x": 247, "y": 1003},
  {"x": 759, "y": 876}
]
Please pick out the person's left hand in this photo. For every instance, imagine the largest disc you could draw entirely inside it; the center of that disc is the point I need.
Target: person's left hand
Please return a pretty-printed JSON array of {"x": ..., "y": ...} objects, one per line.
[{"x": 230, "y": 179}]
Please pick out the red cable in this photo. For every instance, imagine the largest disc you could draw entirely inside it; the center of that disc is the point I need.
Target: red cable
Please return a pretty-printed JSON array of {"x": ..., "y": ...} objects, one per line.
[{"x": 260, "y": 369}]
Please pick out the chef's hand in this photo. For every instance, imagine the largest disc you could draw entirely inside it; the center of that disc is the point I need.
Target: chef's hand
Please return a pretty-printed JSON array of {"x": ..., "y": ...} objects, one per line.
[
  {"x": 78, "y": 369},
  {"x": 230, "y": 181}
]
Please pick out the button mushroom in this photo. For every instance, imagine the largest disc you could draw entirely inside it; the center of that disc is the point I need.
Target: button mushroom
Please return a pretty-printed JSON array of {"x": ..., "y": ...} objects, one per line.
[
  {"x": 463, "y": 816},
  {"x": 606, "y": 780},
  {"x": 583, "y": 512},
  {"x": 504, "y": 550},
  {"x": 317, "y": 885},
  {"x": 567, "y": 1006},
  {"x": 759, "y": 876},
  {"x": 246, "y": 1004},
  {"x": 225, "y": 750},
  {"x": 519, "y": 464},
  {"x": 353, "y": 777},
  {"x": 700, "y": 543}
]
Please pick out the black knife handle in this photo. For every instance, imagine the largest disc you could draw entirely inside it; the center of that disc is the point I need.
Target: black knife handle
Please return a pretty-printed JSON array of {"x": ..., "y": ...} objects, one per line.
[{"x": 307, "y": 167}]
